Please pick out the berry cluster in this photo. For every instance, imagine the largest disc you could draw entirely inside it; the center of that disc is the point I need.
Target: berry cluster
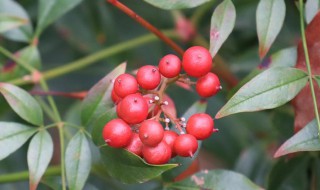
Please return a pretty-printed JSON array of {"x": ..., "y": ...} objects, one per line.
[{"x": 142, "y": 107}]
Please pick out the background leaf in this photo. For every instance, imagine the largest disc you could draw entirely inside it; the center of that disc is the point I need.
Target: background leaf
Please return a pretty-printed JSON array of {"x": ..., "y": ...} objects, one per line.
[
  {"x": 39, "y": 156},
  {"x": 269, "y": 17},
  {"x": 311, "y": 9},
  {"x": 272, "y": 88},
  {"x": 215, "y": 180},
  {"x": 9, "y": 22},
  {"x": 13, "y": 136},
  {"x": 78, "y": 161},
  {"x": 22, "y": 103},
  {"x": 177, "y": 4},
  {"x": 222, "y": 23}
]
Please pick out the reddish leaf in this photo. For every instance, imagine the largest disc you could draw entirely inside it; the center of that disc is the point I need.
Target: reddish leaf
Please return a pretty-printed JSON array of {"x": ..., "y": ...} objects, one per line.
[{"x": 302, "y": 103}]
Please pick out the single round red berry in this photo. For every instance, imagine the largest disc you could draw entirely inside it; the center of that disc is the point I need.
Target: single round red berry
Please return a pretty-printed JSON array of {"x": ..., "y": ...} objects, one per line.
[
  {"x": 200, "y": 125},
  {"x": 117, "y": 133},
  {"x": 115, "y": 98},
  {"x": 135, "y": 145},
  {"x": 185, "y": 145},
  {"x": 124, "y": 85},
  {"x": 148, "y": 77},
  {"x": 208, "y": 85},
  {"x": 197, "y": 61},
  {"x": 133, "y": 109},
  {"x": 169, "y": 137},
  {"x": 151, "y": 132},
  {"x": 170, "y": 66},
  {"x": 159, "y": 154}
]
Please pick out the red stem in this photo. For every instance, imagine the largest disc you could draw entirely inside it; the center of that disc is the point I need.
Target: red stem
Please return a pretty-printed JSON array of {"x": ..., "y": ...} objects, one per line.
[{"x": 76, "y": 95}]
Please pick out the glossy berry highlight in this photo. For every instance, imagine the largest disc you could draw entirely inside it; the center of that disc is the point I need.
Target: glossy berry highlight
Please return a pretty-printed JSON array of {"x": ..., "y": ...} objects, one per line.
[
  {"x": 170, "y": 66},
  {"x": 117, "y": 133},
  {"x": 148, "y": 77}
]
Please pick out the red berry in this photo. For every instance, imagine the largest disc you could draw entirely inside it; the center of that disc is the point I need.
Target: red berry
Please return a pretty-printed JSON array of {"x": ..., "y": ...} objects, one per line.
[
  {"x": 200, "y": 125},
  {"x": 133, "y": 109},
  {"x": 159, "y": 154},
  {"x": 185, "y": 145},
  {"x": 197, "y": 61},
  {"x": 169, "y": 137},
  {"x": 151, "y": 132},
  {"x": 124, "y": 85},
  {"x": 208, "y": 85},
  {"x": 135, "y": 145},
  {"x": 117, "y": 133},
  {"x": 115, "y": 98},
  {"x": 148, "y": 77},
  {"x": 170, "y": 66}
]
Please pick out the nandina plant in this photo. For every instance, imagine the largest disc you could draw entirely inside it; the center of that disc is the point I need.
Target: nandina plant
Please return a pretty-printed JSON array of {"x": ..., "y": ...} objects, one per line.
[{"x": 169, "y": 113}]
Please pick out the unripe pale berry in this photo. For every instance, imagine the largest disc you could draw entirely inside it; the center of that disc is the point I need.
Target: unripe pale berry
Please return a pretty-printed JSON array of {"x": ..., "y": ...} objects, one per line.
[
  {"x": 170, "y": 66},
  {"x": 148, "y": 77},
  {"x": 185, "y": 145},
  {"x": 135, "y": 145},
  {"x": 200, "y": 125},
  {"x": 124, "y": 85},
  {"x": 159, "y": 154},
  {"x": 133, "y": 109},
  {"x": 197, "y": 61},
  {"x": 151, "y": 132},
  {"x": 169, "y": 137},
  {"x": 117, "y": 133},
  {"x": 208, "y": 85}
]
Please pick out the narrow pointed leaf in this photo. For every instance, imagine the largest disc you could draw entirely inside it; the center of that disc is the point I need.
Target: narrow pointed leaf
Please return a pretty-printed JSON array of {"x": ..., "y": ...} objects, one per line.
[
  {"x": 306, "y": 139},
  {"x": 311, "y": 9},
  {"x": 177, "y": 4},
  {"x": 215, "y": 180},
  {"x": 98, "y": 99},
  {"x": 222, "y": 23},
  {"x": 272, "y": 88},
  {"x": 78, "y": 161},
  {"x": 269, "y": 17},
  {"x": 9, "y": 22},
  {"x": 130, "y": 168},
  {"x": 13, "y": 136},
  {"x": 39, "y": 156}
]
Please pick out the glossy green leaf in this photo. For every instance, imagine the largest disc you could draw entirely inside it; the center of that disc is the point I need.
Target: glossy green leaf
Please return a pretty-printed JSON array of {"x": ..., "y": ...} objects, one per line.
[
  {"x": 78, "y": 161},
  {"x": 176, "y": 4},
  {"x": 269, "y": 17},
  {"x": 11, "y": 9},
  {"x": 13, "y": 136},
  {"x": 215, "y": 180},
  {"x": 98, "y": 99},
  {"x": 22, "y": 103},
  {"x": 311, "y": 9},
  {"x": 272, "y": 88},
  {"x": 39, "y": 156},
  {"x": 306, "y": 139},
  {"x": 130, "y": 168},
  {"x": 51, "y": 10},
  {"x": 222, "y": 23},
  {"x": 184, "y": 163}
]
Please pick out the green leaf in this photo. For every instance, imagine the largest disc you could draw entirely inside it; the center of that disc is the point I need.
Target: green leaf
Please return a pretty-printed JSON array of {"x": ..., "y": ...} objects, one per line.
[
  {"x": 176, "y": 4},
  {"x": 78, "y": 161},
  {"x": 269, "y": 17},
  {"x": 317, "y": 77},
  {"x": 272, "y": 88},
  {"x": 311, "y": 9},
  {"x": 184, "y": 163},
  {"x": 306, "y": 139},
  {"x": 130, "y": 168},
  {"x": 222, "y": 23},
  {"x": 22, "y": 103},
  {"x": 98, "y": 99},
  {"x": 284, "y": 58},
  {"x": 215, "y": 180},
  {"x": 99, "y": 125},
  {"x": 39, "y": 156},
  {"x": 13, "y": 136},
  {"x": 12, "y": 10},
  {"x": 51, "y": 10}
]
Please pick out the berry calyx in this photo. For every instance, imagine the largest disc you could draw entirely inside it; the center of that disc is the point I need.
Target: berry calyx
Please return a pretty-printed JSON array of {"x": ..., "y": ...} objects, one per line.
[
  {"x": 200, "y": 125},
  {"x": 185, "y": 145},
  {"x": 169, "y": 137},
  {"x": 151, "y": 132},
  {"x": 197, "y": 61},
  {"x": 148, "y": 77},
  {"x": 208, "y": 85},
  {"x": 124, "y": 85},
  {"x": 135, "y": 145},
  {"x": 133, "y": 109},
  {"x": 170, "y": 66},
  {"x": 159, "y": 154},
  {"x": 117, "y": 133}
]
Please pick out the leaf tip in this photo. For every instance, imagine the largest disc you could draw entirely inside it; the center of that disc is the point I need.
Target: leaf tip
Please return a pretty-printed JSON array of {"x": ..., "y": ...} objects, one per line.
[{"x": 262, "y": 52}]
